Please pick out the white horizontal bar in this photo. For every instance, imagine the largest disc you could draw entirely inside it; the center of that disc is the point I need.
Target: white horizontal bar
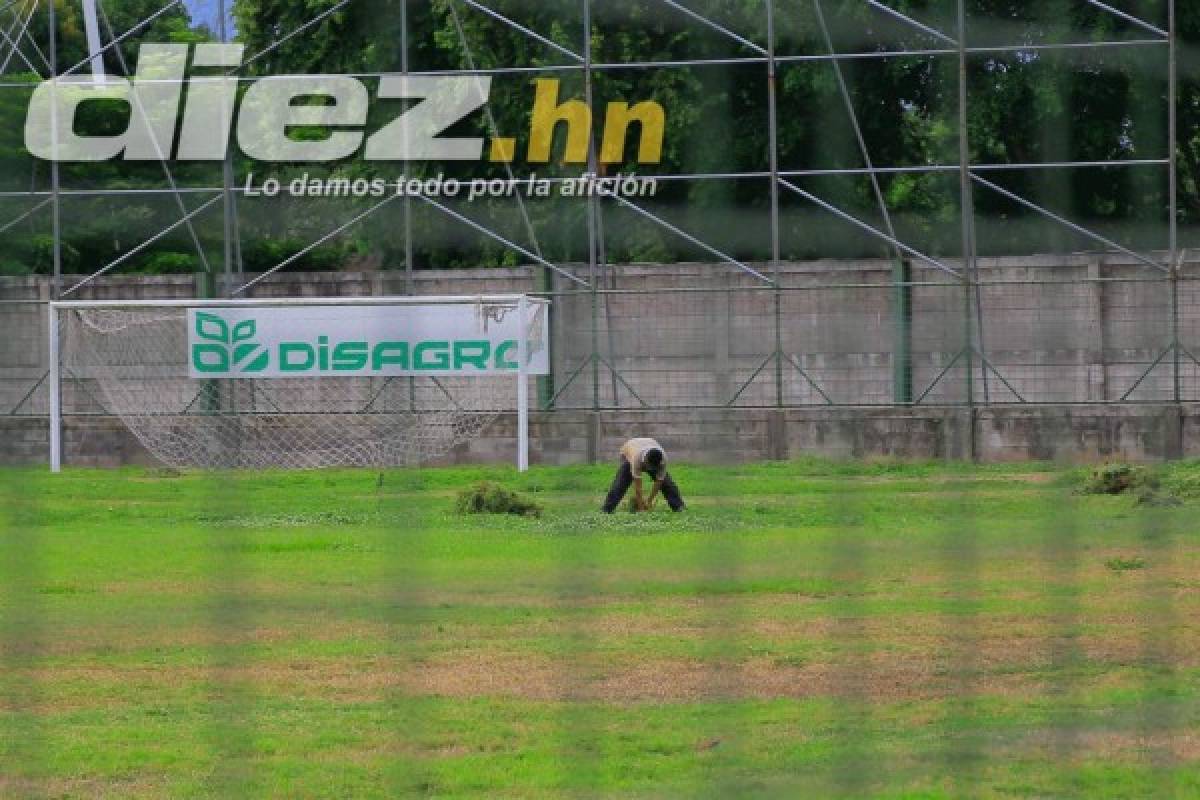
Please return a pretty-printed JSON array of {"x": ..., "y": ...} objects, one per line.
[{"x": 277, "y": 302}]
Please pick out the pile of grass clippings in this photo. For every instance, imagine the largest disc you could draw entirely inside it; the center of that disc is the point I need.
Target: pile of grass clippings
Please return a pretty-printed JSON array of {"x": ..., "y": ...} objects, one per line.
[
  {"x": 1120, "y": 478},
  {"x": 487, "y": 497}
]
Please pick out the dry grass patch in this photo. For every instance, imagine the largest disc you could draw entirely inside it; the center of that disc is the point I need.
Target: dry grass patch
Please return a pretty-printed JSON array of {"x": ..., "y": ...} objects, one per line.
[{"x": 1178, "y": 747}]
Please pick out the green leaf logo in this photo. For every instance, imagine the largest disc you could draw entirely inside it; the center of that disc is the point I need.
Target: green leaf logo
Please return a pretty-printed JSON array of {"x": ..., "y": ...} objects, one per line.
[
  {"x": 245, "y": 351},
  {"x": 258, "y": 364},
  {"x": 212, "y": 328},
  {"x": 234, "y": 352},
  {"x": 210, "y": 358},
  {"x": 245, "y": 330}
]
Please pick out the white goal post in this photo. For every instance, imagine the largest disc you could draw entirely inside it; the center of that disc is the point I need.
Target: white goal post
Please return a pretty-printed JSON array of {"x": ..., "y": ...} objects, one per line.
[{"x": 298, "y": 383}]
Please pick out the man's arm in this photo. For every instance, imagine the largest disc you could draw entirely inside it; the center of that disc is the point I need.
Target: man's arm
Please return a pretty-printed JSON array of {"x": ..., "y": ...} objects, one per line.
[
  {"x": 654, "y": 494},
  {"x": 638, "y": 499}
]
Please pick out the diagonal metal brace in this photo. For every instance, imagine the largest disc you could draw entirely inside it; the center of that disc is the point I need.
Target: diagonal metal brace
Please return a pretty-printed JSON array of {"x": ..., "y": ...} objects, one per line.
[
  {"x": 987, "y": 362},
  {"x": 1153, "y": 366},
  {"x": 958, "y": 357},
  {"x": 853, "y": 220},
  {"x": 29, "y": 394},
  {"x": 811, "y": 382},
  {"x": 891, "y": 12},
  {"x": 532, "y": 34},
  {"x": 728, "y": 259},
  {"x": 570, "y": 380},
  {"x": 703, "y": 20},
  {"x": 1016, "y": 198},
  {"x": 1141, "y": 23},
  {"x": 622, "y": 380},
  {"x": 753, "y": 377},
  {"x": 131, "y": 253},
  {"x": 492, "y": 234}
]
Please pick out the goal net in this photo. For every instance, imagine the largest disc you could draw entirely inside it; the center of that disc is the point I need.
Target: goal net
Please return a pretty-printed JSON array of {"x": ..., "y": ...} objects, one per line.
[{"x": 300, "y": 384}]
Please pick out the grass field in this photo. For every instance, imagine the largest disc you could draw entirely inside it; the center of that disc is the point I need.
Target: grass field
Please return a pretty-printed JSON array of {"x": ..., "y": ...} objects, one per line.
[{"x": 805, "y": 630}]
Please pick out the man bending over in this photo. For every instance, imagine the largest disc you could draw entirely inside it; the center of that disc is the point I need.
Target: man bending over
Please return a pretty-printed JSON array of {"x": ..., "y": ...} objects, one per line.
[{"x": 643, "y": 455}]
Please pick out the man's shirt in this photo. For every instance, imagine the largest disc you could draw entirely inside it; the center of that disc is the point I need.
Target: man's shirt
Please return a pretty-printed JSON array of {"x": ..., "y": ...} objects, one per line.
[{"x": 634, "y": 451}]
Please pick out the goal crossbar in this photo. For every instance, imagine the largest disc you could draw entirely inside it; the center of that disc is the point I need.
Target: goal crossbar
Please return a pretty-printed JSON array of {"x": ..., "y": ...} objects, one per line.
[{"x": 279, "y": 302}]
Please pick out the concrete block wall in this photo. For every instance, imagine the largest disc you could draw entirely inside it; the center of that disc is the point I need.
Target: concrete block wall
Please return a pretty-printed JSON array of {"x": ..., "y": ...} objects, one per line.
[
  {"x": 1076, "y": 434},
  {"x": 23, "y": 358},
  {"x": 1072, "y": 329},
  {"x": 24, "y": 441},
  {"x": 1085, "y": 434}
]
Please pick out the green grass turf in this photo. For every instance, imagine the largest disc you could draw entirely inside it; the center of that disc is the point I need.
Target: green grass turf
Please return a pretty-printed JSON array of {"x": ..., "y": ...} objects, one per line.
[{"x": 809, "y": 629}]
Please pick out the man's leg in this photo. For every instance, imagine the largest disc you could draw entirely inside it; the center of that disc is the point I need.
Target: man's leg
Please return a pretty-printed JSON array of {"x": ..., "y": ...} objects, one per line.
[
  {"x": 671, "y": 492},
  {"x": 620, "y": 486}
]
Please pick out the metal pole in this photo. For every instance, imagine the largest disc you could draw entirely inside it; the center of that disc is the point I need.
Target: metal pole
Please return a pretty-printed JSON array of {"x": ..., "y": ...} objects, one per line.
[
  {"x": 605, "y": 268},
  {"x": 91, "y": 26},
  {"x": 902, "y": 373},
  {"x": 214, "y": 389},
  {"x": 591, "y": 213},
  {"x": 53, "y": 354},
  {"x": 776, "y": 250},
  {"x": 55, "y": 391},
  {"x": 55, "y": 179},
  {"x": 1173, "y": 190},
  {"x": 968, "y": 210},
  {"x": 523, "y": 385},
  {"x": 409, "y": 285},
  {"x": 226, "y": 180}
]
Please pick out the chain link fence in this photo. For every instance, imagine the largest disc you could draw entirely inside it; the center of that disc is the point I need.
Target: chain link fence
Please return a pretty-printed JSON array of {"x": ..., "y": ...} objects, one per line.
[
  {"x": 820, "y": 339},
  {"x": 1074, "y": 331}
]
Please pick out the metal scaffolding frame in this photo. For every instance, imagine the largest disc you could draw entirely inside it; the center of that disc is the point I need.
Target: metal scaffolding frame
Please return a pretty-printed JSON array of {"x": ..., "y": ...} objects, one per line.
[{"x": 18, "y": 44}]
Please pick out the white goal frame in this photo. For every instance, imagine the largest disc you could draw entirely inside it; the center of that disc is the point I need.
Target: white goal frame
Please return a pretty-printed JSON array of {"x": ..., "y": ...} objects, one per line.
[{"x": 523, "y": 302}]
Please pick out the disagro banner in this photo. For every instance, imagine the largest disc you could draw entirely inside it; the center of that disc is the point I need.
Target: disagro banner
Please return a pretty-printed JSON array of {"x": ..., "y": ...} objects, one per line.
[{"x": 365, "y": 341}]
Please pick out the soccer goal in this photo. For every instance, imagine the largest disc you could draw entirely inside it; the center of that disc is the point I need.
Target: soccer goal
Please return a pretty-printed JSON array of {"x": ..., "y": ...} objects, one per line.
[{"x": 299, "y": 383}]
